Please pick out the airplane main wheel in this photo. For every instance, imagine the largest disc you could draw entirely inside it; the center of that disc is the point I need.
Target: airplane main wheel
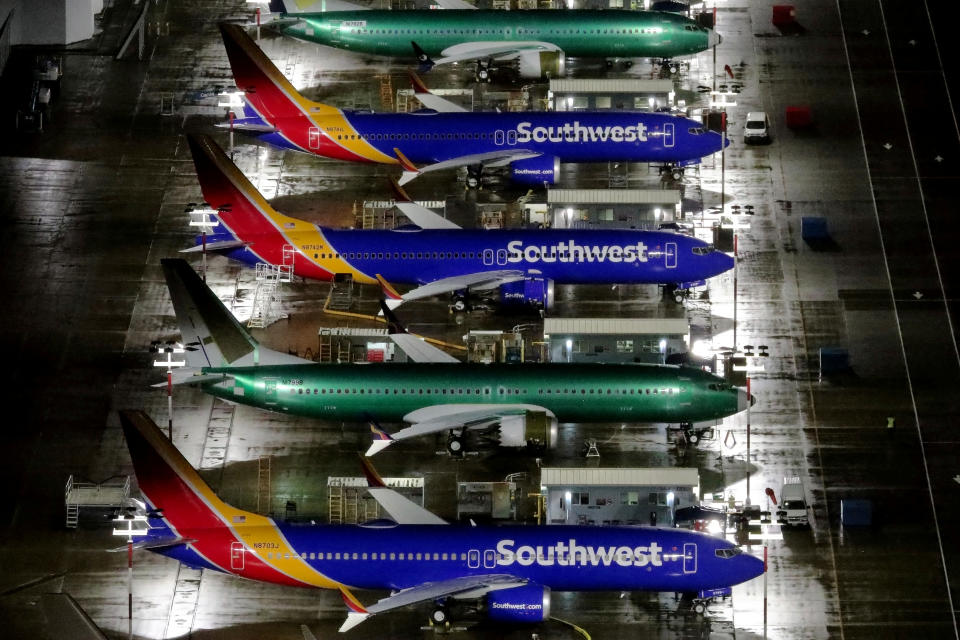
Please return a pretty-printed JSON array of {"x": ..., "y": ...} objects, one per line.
[
  {"x": 700, "y": 608},
  {"x": 439, "y": 615},
  {"x": 460, "y": 304},
  {"x": 679, "y": 296},
  {"x": 693, "y": 437},
  {"x": 455, "y": 445}
]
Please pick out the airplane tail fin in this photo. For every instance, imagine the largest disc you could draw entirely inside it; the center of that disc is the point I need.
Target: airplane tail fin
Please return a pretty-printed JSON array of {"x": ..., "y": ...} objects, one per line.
[
  {"x": 267, "y": 90},
  {"x": 241, "y": 208},
  {"x": 170, "y": 485},
  {"x": 210, "y": 333}
]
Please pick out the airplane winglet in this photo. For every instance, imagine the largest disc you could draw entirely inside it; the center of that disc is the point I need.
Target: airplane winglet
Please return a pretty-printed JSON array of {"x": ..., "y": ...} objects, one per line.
[
  {"x": 373, "y": 477},
  {"x": 394, "y": 326},
  {"x": 356, "y": 614},
  {"x": 351, "y": 601},
  {"x": 377, "y": 446},
  {"x": 426, "y": 63},
  {"x": 417, "y": 83},
  {"x": 399, "y": 193},
  {"x": 353, "y": 619},
  {"x": 408, "y": 176},
  {"x": 388, "y": 291},
  {"x": 408, "y": 166}
]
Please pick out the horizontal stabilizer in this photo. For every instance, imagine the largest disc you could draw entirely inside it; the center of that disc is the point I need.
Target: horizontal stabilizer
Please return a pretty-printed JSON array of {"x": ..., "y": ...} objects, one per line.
[
  {"x": 223, "y": 245},
  {"x": 156, "y": 543}
]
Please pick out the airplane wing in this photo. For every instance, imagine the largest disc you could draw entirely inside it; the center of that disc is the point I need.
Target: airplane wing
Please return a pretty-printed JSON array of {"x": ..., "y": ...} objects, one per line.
[
  {"x": 488, "y": 159},
  {"x": 500, "y": 51},
  {"x": 401, "y": 509},
  {"x": 421, "y": 216},
  {"x": 462, "y": 587},
  {"x": 416, "y": 348},
  {"x": 438, "y": 418},
  {"x": 419, "y": 350},
  {"x": 454, "y": 4},
  {"x": 216, "y": 246},
  {"x": 67, "y": 619},
  {"x": 430, "y": 100},
  {"x": 481, "y": 280},
  {"x": 293, "y": 7}
]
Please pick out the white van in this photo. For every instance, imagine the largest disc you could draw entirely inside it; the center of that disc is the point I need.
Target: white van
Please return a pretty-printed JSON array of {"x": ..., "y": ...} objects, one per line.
[
  {"x": 793, "y": 509},
  {"x": 757, "y": 128}
]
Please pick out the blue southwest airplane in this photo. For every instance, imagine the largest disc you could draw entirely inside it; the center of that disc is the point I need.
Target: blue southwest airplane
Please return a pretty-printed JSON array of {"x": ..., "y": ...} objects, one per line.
[
  {"x": 416, "y": 555},
  {"x": 436, "y": 256},
  {"x": 446, "y": 136}
]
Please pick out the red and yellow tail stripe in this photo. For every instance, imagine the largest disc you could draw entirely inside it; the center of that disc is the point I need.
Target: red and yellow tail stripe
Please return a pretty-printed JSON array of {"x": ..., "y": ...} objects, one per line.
[
  {"x": 245, "y": 212},
  {"x": 233, "y": 540},
  {"x": 280, "y": 104}
]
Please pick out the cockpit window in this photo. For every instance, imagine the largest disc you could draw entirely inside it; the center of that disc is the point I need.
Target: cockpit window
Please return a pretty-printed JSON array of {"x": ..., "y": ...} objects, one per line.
[
  {"x": 719, "y": 386},
  {"x": 702, "y": 250},
  {"x": 696, "y": 131},
  {"x": 728, "y": 553}
]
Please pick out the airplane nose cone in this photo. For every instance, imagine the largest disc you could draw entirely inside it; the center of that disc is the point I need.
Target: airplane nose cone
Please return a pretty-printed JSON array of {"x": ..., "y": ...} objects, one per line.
[
  {"x": 723, "y": 262},
  {"x": 744, "y": 400},
  {"x": 714, "y": 38},
  {"x": 750, "y": 567}
]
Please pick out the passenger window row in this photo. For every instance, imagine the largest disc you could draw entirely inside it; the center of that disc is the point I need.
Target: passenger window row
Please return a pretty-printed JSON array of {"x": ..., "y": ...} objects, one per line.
[
  {"x": 337, "y": 555},
  {"x": 485, "y": 391}
]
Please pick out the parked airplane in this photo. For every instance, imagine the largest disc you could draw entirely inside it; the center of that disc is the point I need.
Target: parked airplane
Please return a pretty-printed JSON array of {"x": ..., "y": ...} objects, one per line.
[
  {"x": 446, "y": 136},
  {"x": 439, "y": 257},
  {"x": 513, "y": 405},
  {"x": 513, "y": 569},
  {"x": 538, "y": 42}
]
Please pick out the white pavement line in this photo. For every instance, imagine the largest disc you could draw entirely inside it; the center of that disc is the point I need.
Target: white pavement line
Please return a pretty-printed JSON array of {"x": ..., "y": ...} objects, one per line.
[
  {"x": 923, "y": 198},
  {"x": 946, "y": 310},
  {"x": 896, "y": 312},
  {"x": 946, "y": 87}
]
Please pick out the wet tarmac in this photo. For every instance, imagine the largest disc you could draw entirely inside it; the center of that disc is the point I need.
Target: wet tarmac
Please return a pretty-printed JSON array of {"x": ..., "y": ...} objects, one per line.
[{"x": 90, "y": 206}]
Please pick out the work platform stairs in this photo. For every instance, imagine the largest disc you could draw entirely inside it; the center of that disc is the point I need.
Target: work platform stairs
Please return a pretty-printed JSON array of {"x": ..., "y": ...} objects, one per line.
[
  {"x": 266, "y": 298},
  {"x": 111, "y": 494}
]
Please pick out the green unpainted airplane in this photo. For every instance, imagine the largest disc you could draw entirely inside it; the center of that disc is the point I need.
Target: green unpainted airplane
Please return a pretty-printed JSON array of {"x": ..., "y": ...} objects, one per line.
[
  {"x": 538, "y": 42},
  {"x": 516, "y": 405}
]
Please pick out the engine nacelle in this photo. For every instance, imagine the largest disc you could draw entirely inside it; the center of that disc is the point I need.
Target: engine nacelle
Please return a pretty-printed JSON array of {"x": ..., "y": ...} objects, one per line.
[
  {"x": 535, "y": 171},
  {"x": 531, "y": 292},
  {"x": 534, "y": 428},
  {"x": 542, "y": 64},
  {"x": 527, "y": 603}
]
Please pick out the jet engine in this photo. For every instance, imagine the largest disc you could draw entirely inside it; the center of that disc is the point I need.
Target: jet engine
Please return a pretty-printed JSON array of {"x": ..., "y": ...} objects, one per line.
[
  {"x": 527, "y": 603},
  {"x": 542, "y": 64},
  {"x": 531, "y": 292},
  {"x": 535, "y": 171},
  {"x": 532, "y": 429}
]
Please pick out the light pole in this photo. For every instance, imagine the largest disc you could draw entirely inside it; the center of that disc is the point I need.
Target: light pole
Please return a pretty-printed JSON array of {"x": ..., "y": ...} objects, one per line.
[
  {"x": 169, "y": 348},
  {"x": 206, "y": 219},
  {"x": 130, "y": 525}
]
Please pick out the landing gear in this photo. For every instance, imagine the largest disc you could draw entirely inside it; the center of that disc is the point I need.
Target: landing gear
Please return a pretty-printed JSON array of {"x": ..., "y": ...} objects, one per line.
[
  {"x": 668, "y": 67},
  {"x": 440, "y": 615},
  {"x": 686, "y": 434},
  {"x": 474, "y": 175},
  {"x": 455, "y": 445},
  {"x": 675, "y": 293},
  {"x": 482, "y": 73}
]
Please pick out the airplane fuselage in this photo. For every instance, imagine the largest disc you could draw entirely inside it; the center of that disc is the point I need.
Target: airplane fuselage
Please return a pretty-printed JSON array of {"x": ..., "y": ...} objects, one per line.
[
  {"x": 429, "y": 137},
  {"x": 417, "y": 256},
  {"x": 390, "y": 556},
  {"x": 572, "y": 392},
  {"x": 578, "y": 33}
]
